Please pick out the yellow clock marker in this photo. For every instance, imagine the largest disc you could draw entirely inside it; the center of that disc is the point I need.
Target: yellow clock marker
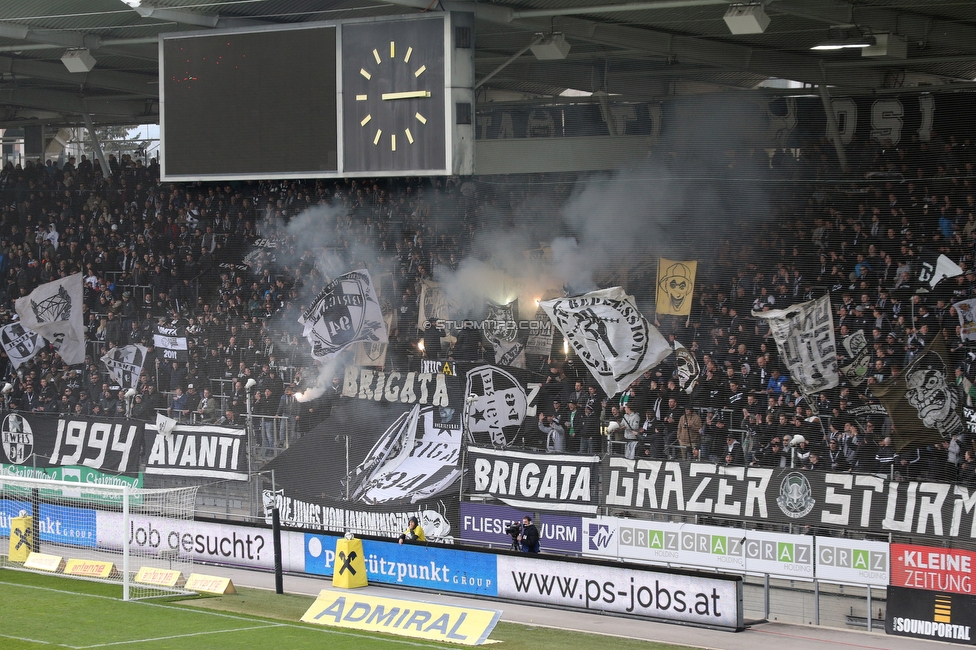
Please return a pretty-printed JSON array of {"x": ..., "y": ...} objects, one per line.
[
  {"x": 406, "y": 59},
  {"x": 361, "y": 98},
  {"x": 421, "y": 118},
  {"x": 409, "y": 137},
  {"x": 376, "y": 55},
  {"x": 420, "y": 71},
  {"x": 363, "y": 72},
  {"x": 376, "y": 138},
  {"x": 392, "y": 49},
  {"x": 393, "y": 142},
  {"x": 365, "y": 120}
]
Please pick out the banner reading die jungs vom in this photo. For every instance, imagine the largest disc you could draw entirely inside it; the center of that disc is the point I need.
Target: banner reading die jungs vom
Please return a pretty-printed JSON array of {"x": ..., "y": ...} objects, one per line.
[
  {"x": 46, "y": 441},
  {"x": 856, "y": 502}
]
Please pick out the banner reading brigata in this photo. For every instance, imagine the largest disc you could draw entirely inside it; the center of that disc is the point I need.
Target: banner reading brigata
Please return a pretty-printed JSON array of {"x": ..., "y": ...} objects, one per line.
[
  {"x": 858, "y": 502},
  {"x": 933, "y": 569},
  {"x": 524, "y": 479},
  {"x": 110, "y": 446}
]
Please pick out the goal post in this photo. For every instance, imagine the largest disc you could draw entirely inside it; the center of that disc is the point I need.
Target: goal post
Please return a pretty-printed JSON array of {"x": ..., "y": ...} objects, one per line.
[{"x": 100, "y": 532}]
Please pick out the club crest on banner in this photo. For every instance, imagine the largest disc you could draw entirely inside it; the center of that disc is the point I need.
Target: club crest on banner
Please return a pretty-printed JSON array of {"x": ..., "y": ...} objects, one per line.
[
  {"x": 345, "y": 312},
  {"x": 125, "y": 364},
  {"x": 17, "y": 438},
  {"x": 609, "y": 335},
  {"x": 495, "y": 416},
  {"x": 20, "y": 345},
  {"x": 795, "y": 498}
]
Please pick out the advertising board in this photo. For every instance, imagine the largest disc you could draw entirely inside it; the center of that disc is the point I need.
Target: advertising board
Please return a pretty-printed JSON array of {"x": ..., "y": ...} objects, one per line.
[
  {"x": 486, "y": 523},
  {"x": 60, "y": 524},
  {"x": 930, "y": 615},
  {"x": 850, "y": 561},
  {"x": 931, "y": 568}
]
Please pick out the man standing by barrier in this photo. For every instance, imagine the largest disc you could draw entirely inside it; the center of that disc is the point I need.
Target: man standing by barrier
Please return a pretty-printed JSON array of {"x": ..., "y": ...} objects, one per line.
[{"x": 529, "y": 537}]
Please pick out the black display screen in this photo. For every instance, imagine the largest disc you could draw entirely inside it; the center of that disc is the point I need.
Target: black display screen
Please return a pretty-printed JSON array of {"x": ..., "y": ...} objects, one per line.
[{"x": 250, "y": 104}]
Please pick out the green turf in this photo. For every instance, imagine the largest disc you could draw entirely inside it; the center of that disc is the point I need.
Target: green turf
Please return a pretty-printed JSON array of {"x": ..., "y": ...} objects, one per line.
[{"x": 42, "y": 611}]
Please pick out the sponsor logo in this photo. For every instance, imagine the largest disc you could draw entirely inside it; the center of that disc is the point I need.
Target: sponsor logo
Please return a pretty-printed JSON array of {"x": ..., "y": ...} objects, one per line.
[
  {"x": 598, "y": 536},
  {"x": 795, "y": 498}
]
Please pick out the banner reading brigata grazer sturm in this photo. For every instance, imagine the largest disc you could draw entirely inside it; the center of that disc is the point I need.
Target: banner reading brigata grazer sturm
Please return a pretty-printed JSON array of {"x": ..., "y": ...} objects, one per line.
[
  {"x": 33, "y": 440},
  {"x": 345, "y": 312}
]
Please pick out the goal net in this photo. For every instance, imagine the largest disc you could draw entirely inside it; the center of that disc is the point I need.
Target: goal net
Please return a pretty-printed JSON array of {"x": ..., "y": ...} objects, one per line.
[{"x": 111, "y": 533}]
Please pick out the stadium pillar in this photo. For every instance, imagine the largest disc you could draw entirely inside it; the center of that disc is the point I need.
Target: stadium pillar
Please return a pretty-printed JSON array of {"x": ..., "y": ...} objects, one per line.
[
  {"x": 96, "y": 146},
  {"x": 832, "y": 130},
  {"x": 276, "y": 541}
]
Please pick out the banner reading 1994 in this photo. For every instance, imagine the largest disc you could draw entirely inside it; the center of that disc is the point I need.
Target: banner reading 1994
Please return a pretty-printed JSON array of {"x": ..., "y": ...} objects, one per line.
[{"x": 44, "y": 441}]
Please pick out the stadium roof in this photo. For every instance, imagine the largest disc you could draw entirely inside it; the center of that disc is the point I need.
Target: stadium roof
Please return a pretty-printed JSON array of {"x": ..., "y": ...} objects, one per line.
[{"x": 643, "y": 50}]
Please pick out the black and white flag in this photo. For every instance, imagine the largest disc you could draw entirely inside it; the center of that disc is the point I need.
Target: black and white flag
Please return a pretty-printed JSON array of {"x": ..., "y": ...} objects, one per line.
[
  {"x": 125, "y": 364},
  {"x": 20, "y": 345},
  {"x": 171, "y": 343},
  {"x": 54, "y": 311},
  {"x": 346, "y": 312},
  {"x": 966, "y": 309},
  {"x": 686, "y": 368},
  {"x": 931, "y": 269},
  {"x": 858, "y": 358},
  {"x": 609, "y": 335},
  {"x": 804, "y": 336},
  {"x": 204, "y": 451},
  {"x": 502, "y": 331}
]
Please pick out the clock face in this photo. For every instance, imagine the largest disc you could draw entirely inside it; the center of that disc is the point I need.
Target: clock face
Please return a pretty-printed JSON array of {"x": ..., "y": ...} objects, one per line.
[{"x": 393, "y": 96}]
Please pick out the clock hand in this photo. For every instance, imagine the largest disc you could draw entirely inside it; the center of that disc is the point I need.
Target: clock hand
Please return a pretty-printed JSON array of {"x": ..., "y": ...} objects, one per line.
[{"x": 407, "y": 95}]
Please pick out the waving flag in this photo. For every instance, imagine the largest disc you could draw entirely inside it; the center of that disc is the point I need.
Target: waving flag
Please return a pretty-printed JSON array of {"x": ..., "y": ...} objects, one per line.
[
  {"x": 609, "y": 335},
  {"x": 345, "y": 312},
  {"x": 53, "y": 310},
  {"x": 804, "y": 336}
]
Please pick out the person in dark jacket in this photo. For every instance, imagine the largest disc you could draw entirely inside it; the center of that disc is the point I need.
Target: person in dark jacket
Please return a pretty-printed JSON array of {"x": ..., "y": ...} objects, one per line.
[{"x": 529, "y": 536}]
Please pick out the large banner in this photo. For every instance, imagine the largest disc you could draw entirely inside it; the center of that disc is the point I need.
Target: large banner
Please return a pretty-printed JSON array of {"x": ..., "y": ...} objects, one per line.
[
  {"x": 522, "y": 479},
  {"x": 44, "y": 441},
  {"x": 609, "y": 335},
  {"x": 804, "y": 336},
  {"x": 198, "y": 451},
  {"x": 856, "y": 502}
]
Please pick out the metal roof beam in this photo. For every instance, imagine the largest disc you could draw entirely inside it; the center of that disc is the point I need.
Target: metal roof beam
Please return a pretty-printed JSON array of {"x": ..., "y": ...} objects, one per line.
[
  {"x": 49, "y": 36},
  {"x": 51, "y": 100},
  {"x": 184, "y": 17},
  {"x": 110, "y": 79}
]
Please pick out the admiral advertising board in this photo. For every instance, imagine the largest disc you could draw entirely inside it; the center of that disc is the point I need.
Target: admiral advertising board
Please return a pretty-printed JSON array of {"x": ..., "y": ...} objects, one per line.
[
  {"x": 933, "y": 615},
  {"x": 712, "y": 600},
  {"x": 853, "y": 502}
]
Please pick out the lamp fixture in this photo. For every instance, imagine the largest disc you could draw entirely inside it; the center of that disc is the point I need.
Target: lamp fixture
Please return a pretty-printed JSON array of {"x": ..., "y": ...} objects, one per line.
[
  {"x": 849, "y": 43},
  {"x": 79, "y": 60},
  {"x": 552, "y": 47},
  {"x": 747, "y": 18}
]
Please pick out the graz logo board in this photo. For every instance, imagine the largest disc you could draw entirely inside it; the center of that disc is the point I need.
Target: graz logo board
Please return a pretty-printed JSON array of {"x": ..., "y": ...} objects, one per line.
[
  {"x": 850, "y": 561},
  {"x": 560, "y": 482}
]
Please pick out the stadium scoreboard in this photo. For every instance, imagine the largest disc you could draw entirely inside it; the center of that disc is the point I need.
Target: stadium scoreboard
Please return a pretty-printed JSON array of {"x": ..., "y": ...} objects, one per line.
[{"x": 375, "y": 97}]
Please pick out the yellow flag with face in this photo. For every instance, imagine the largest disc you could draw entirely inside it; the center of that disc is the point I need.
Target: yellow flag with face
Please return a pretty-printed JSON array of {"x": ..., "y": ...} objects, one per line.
[{"x": 675, "y": 286}]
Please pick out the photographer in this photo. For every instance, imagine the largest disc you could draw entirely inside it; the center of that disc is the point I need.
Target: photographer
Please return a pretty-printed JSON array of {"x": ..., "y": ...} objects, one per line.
[
  {"x": 529, "y": 536},
  {"x": 413, "y": 533}
]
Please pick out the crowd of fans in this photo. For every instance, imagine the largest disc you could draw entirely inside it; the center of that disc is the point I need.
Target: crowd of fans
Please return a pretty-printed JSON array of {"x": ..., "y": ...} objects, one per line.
[{"x": 219, "y": 260}]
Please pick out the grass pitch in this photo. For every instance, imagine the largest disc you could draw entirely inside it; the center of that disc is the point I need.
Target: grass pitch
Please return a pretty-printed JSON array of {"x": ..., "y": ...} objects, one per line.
[{"x": 41, "y": 611}]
